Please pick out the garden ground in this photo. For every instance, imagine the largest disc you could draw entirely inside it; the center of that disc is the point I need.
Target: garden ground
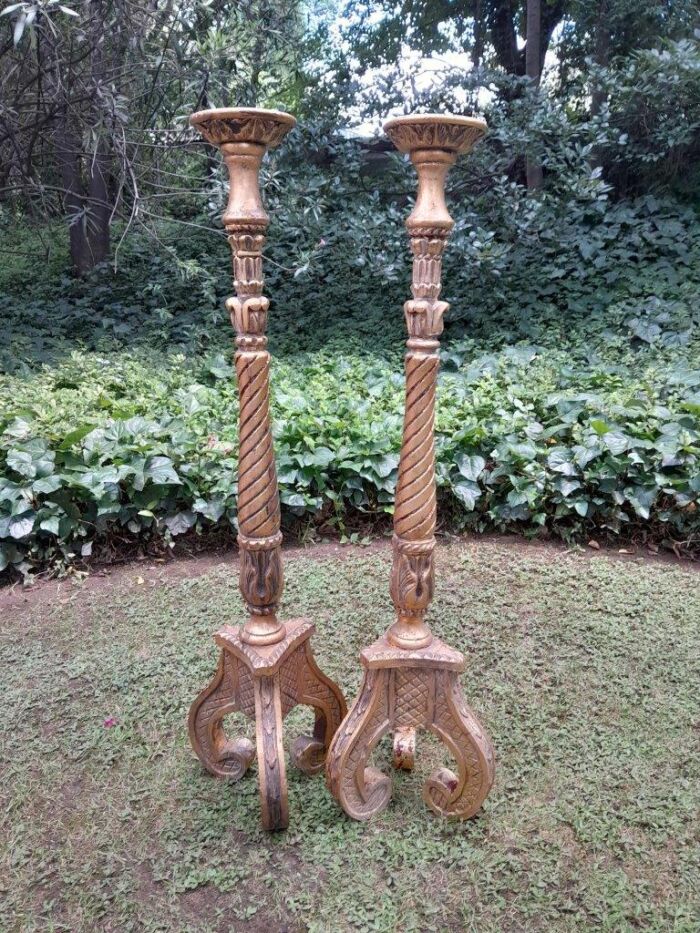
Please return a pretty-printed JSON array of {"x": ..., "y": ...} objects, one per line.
[{"x": 584, "y": 667}]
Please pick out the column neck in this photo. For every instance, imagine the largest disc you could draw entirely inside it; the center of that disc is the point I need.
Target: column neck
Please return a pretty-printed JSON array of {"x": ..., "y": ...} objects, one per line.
[
  {"x": 244, "y": 210},
  {"x": 430, "y": 210}
]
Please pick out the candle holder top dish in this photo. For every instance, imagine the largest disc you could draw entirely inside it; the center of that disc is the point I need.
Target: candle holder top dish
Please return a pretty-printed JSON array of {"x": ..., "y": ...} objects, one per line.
[
  {"x": 243, "y": 125},
  {"x": 435, "y": 131},
  {"x": 432, "y": 139},
  {"x": 243, "y": 134}
]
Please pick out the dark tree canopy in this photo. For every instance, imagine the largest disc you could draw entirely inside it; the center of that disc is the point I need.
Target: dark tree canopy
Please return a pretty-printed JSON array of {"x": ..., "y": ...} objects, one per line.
[{"x": 95, "y": 95}]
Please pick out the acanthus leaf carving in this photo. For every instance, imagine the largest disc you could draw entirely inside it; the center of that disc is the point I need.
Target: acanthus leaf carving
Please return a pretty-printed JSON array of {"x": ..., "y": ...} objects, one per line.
[
  {"x": 424, "y": 318},
  {"x": 248, "y": 315},
  {"x": 438, "y": 133},
  {"x": 261, "y": 580},
  {"x": 265, "y": 131},
  {"x": 412, "y": 583}
]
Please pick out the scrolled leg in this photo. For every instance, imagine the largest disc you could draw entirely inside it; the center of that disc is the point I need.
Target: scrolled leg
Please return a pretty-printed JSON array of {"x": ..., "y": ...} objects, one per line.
[
  {"x": 318, "y": 691},
  {"x": 223, "y": 757},
  {"x": 271, "y": 768},
  {"x": 362, "y": 791},
  {"x": 458, "y": 796}
]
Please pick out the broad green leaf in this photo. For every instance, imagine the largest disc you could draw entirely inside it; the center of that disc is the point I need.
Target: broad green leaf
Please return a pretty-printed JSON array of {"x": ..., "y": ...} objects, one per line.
[
  {"x": 293, "y": 500},
  {"x": 50, "y": 524},
  {"x": 386, "y": 465},
  {"x": 616, "y": 442},
  {"x": 160, "y": 470},
  {"x": 220, "y": 368},
  {"x": 467, "y": 493},
  {"x": 181, "y": 522},
  {"x": 21, "y": 462},
  {"x": 642, "y": 499},
  {"x": 559, "y": 459},
  {"x": 567, "y": 486},
  {"x": 22, "y": 525},
  {"x": 322, "y": 456},
  {"x": 213, "y": 509},
  {"x": 47, "y": 484},
  {"x": 75, "y": 435},
  {"x": 471, "y": 467}
]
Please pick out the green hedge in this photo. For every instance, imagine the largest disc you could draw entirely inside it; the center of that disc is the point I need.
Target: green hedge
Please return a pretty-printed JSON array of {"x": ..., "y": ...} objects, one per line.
[
  {"x": 570, "y": 409},
  {"x": 528, "y": 438}
]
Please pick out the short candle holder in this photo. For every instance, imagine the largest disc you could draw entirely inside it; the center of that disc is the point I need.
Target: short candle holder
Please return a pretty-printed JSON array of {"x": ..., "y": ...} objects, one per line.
[
  {"x": 411, "y": 678},
  {"x": 267, "y": 666}
]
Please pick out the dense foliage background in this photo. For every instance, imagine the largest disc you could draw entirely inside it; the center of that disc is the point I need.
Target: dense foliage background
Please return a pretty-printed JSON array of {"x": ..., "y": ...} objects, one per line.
[{"x": 570, "y": 398}]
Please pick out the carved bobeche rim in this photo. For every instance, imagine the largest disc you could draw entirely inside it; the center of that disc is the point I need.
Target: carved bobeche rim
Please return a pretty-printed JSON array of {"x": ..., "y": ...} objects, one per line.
[
  {"x": 224, "y": 125},
  {"x": 449, "y": 132}
]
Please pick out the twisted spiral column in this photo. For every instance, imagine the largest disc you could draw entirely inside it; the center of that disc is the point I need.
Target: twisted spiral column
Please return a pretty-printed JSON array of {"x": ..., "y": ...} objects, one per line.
[
  {"x": 412, "y": 578},
  {"x": 261, "y": 577}
]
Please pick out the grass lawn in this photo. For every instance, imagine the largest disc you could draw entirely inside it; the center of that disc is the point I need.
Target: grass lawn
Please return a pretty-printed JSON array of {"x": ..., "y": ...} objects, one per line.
[{"x": 585, "y": 669}]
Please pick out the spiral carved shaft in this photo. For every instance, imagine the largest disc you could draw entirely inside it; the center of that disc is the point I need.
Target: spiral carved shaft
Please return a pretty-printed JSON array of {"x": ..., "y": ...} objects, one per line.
[
  {"x": 258, "y": 504},
  {"x": 414, "y": 516},
  {"x": 258, "y": 501},
  {"x": 412, "y": 578},
  {"x": 261, "y": 578}
]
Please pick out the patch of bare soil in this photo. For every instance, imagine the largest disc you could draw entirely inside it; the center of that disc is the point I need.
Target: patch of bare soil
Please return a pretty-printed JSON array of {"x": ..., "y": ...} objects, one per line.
[{"x": 18, "y": 596}]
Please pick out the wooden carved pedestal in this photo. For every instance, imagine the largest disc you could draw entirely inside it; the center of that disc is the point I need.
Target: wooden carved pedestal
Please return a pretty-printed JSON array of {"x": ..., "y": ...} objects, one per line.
[
  {"x": 411, "y": 677},
  {"x": 266, "y": 667}
]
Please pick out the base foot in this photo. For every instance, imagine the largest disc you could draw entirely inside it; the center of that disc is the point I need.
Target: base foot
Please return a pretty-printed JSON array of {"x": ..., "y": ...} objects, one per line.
[
  {"x": 264, "y": 683},
  {"x": 402, "y": 692}
]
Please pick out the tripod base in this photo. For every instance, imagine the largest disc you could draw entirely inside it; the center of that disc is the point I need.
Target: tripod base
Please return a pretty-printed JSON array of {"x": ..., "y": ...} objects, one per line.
[
  {"x": 404, "y": 691},
  {"x": 264, "y": 683}
]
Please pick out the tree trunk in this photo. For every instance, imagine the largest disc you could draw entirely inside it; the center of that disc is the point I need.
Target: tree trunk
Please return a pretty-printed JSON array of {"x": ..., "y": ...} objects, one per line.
[
  {"x": 503, "y": 37},
  {"x": 533, "y": 69},
  {"x": 67, "y": 153},
  {"x": 478, "y": 48},
  {"x": 601, "y": 55},
  {"x": 98, "y": 167},
  {"x": 99, "y": 210}
]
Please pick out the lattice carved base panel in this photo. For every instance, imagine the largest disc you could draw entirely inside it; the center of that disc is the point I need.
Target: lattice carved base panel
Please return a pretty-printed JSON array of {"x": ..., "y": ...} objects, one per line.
[
  {"x": 263, "y": 683},
  {"x": 404, "y": 692}
]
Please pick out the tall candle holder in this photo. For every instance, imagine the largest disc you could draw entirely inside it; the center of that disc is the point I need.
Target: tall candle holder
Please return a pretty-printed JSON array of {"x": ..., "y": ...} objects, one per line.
[
  {"x": 267, "y": 666},
  {"x": 410, "y": 677}
]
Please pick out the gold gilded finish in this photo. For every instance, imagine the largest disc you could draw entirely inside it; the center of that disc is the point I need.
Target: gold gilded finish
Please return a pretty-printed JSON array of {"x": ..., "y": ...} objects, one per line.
[
  {"x": 266, "y": 667},
  {"x": 411, "y": 678}
]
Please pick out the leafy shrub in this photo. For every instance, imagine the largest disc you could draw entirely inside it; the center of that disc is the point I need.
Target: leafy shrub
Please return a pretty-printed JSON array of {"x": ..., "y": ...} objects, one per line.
[
  {"x": 528, "y": 438},
  {"x": 569, "y": 402},
  {"x": 647, "y": 142}
]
